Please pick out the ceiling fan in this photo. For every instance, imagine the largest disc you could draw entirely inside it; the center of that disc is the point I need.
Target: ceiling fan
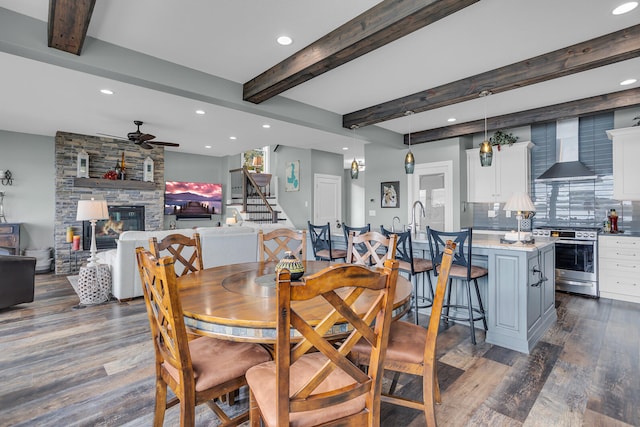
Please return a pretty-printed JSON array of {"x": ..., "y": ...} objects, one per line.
[{"x": 144, "y": 140}]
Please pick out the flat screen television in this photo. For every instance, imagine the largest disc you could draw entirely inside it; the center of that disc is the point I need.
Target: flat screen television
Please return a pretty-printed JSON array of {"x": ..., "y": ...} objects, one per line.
[{"x": 192, "y": 199}]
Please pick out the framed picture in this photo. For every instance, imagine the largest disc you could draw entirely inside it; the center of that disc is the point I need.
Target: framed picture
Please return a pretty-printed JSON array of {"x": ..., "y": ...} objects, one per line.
[
  {"x": 292, "y": 175},
  {"x": 390, "y": 194}
]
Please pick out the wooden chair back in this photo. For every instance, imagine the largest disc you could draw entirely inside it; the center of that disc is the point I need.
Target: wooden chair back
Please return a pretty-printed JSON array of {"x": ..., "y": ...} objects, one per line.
[
  {"x": 176, "y": 244},
  {"x": 371, "y": 248},
  {"x": 283, "y": 239},
  {"x": 164, "y": 310},
  {"x": 343, "y": 286}
]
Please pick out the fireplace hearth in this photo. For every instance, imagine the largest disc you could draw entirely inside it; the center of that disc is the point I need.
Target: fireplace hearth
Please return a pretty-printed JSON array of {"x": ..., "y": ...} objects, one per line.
[{"x": 121, "y": 218}]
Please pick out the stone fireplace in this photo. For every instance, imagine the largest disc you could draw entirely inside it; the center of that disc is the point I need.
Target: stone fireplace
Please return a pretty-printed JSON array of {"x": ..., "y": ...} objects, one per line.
[{"x": 103, "y": 153}]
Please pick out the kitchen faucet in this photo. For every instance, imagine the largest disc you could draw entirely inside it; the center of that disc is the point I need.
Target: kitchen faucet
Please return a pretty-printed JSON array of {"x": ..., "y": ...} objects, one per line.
[
  {"x": 393, "y": 223},
  {"x": 413, "y": 216}
]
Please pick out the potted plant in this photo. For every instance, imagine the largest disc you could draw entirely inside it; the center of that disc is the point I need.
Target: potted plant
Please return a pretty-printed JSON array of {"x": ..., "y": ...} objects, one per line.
[
  {"x": 500, "y": 138},
  {"x": 637, "y": 121}
]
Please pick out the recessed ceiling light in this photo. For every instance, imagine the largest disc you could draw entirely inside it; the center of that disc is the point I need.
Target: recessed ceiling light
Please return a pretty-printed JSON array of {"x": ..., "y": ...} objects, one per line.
[
  {"x": 627, "y": 82},
  {"x": 625, "y": 7},
  {"x": 232, "y": 137},
  {"x": 345, "y": 148},
  {"x": 200, "y": 112},
  {"x": 284, "y": 40},
  {"x": 451, "y": 119},
  {"x": 106, "y": 91},
  {"x": 207, "y": 146},
  {"x": 266, "y": 126}
]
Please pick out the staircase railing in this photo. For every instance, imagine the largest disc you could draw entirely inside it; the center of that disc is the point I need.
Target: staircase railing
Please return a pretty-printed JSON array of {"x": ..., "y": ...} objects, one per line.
[{"x": 243, "y": 185}]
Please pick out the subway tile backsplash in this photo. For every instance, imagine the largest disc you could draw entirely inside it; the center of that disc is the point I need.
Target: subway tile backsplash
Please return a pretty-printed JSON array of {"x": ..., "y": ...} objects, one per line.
[{"x": 569, "y": 203}]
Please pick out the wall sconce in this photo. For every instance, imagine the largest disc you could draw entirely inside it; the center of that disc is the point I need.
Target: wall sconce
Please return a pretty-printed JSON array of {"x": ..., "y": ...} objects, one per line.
[{"x": 5, "y": 177}]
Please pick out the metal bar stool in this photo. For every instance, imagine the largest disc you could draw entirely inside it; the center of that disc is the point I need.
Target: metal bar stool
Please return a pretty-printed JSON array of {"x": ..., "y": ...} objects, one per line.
[
  {"x": 461, "y": 269},
  {"x": 321, "y": 243},
  {"x": 413, "y": 266}
]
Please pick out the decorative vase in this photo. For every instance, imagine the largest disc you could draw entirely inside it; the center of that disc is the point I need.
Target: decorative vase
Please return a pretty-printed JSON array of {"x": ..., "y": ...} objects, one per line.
[{"x": 291, "y": 263}]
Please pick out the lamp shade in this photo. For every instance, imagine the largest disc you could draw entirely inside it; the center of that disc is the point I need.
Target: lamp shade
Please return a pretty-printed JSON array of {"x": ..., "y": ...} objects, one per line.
[
  {"x": 92, "y": 209},
  {"x": 520, "y": 202}
]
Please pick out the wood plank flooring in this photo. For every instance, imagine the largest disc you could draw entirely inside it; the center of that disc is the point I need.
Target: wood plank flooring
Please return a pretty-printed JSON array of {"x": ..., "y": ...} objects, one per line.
[{"x": 62, "y": 366}]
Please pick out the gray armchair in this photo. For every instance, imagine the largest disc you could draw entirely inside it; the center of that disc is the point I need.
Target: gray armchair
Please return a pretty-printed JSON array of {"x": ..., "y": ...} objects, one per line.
[{"x": 17, "y": 278}]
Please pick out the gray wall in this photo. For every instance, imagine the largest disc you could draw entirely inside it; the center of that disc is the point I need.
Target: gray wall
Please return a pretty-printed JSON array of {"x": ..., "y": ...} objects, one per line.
[
  {"x": 297, "y": 204},
  {"x": 30, "y": 200}
]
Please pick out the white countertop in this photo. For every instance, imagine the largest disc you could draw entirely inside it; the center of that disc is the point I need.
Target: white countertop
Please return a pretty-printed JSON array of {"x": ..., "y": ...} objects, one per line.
[{"x": 492, "y": 241}]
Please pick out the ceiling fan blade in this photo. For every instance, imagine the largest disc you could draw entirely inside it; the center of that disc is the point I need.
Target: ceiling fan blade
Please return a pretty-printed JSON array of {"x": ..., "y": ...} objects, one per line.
[
  {"x": 166, "y": 144},
  {"x": 144, "y": 145},
  {"x": 112, "y": 136},
  {"x": 145, "y": 137}
]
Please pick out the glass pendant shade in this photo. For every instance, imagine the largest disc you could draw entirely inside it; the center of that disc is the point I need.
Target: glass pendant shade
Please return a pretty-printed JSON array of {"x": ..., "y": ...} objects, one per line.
[
  {"x": 486, "y": 154},
  {"x": 409, "y": 163},
  {"x": 355, "y": 169}
]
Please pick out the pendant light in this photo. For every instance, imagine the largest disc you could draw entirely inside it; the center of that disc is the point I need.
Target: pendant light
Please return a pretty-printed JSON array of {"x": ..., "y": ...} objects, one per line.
[
  {"x": 355, "y": 167},
  {"x": 409, "y": 160},
  {"x": 486, "y": 152}
]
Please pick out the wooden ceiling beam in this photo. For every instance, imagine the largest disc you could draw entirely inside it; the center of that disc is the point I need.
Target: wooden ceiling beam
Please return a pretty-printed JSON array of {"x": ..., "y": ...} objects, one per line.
[
  {"x": 608, "y": 49},
  {"x": 68, "y": 24},
  {"x": 384, "y": 23},
  {"x": 582, "y": 107}
]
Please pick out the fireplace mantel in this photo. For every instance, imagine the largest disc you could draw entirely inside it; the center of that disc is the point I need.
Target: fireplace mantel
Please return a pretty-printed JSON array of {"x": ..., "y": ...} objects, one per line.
[{"x": 126, "y": 184}]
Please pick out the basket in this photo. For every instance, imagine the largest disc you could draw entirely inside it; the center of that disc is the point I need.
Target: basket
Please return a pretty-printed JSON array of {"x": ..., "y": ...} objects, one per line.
[{"x": 94, "y": 284}]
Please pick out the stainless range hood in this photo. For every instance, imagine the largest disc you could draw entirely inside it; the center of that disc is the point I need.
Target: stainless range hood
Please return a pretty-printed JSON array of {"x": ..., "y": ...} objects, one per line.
[{"x": 567, "y": 166}]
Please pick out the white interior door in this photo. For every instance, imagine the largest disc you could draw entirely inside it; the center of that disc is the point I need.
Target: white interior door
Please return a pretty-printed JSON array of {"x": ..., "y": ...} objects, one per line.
[
  {"x": 432, "y": 184},
  {"x": 327, "y": 200}
]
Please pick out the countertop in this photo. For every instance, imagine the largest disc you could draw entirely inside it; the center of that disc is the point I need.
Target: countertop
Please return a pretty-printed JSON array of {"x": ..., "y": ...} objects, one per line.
[
  {"x": 492, "y": 241},
  {"x": 623, "y": 234}
]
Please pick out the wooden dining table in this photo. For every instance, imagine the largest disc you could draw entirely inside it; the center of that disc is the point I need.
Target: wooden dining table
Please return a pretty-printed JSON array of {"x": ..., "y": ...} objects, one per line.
[{"x": 238, "y": 302}]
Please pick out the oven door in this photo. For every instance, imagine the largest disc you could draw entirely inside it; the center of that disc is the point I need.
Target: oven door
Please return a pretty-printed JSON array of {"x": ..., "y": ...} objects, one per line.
[{"x": 576, "y": 262}]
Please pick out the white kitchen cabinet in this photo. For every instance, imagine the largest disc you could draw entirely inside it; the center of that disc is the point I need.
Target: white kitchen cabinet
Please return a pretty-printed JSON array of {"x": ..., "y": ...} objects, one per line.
[
  {"x": 509, "y": 173},
  {"x": 619, "y": 267},
  {"x": 626, "y": 152}
]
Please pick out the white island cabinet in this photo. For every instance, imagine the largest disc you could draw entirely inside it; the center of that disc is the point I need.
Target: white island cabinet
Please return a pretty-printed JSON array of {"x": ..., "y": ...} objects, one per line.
[
  {"x": 509, "y": 173},
  {"x": 626, "y": 152}
]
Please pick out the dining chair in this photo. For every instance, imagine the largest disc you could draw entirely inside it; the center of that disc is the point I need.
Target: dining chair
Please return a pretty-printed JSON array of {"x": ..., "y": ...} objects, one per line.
[
  {"x": 412, "y": 350},
  {"x": 197, "y": 371},
  {"x": 413, "y": 266},
  {"x": 175, "y": 244},
  {"x": 321, "y": 243},
  {"x": 311, "y": 381},
  {"x": 371, "y": 248},
  {"x": 348, "y": 230},
  {"x": 462, "y": 269},
  {"x": 283, "y": 239}
]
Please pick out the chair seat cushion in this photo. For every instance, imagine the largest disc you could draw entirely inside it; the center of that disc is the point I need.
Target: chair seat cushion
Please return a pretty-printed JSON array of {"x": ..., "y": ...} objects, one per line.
[
  {"x": 406, "y": 344},
  {"x": 460, "y": 272},
  {"x": 420, "y": 265},
  {"x": 216, "y": 361},
  {"x": 337, "y": 253},
  {"x": 262, "y": 381}
]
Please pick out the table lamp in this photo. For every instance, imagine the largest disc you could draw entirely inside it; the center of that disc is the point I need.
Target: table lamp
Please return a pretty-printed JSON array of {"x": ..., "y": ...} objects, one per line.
[
  {"x": 92, "y": 210},
  {"x": 519, "y": 202}
]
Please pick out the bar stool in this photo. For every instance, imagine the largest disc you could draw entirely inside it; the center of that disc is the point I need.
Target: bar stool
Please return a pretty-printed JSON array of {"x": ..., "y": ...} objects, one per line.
[
  {"x": 413, "y": 266},
  {"x": 321, "y": 243},
  {"x": 462, "y": 269},
  {"x": 357, "y": 230}
]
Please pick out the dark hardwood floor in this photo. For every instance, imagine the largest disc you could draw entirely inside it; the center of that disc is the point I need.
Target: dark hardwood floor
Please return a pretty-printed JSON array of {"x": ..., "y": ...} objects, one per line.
[{"x": 62, "y": 366}]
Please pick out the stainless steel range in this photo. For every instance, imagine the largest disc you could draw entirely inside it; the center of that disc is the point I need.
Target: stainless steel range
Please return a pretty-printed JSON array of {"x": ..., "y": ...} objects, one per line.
[{"x": 576, "y": 258}]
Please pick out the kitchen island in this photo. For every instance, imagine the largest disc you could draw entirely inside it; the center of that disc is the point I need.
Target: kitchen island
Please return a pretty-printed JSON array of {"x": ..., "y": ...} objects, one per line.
[{"x": 519, "y": 292}]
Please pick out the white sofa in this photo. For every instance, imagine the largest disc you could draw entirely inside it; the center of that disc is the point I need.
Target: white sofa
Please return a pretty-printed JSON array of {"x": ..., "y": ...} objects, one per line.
[{"x": 220, "y": 246}]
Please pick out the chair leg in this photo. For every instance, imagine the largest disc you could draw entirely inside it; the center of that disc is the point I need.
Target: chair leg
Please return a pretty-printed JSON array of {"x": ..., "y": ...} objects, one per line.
[
  {"x": 430, "y": 286},
  {"x": 430, "y": 394},
  {"x": 471, "y": 322},
  {"x": 394, "y": 382},
  {"x": 448, "y": 301},
  {"x": 161, "y": 403},
  {"x": 484, "y": 316},
  {"x": 415, "y": 296},
  {"x": 254, "y": 411}
]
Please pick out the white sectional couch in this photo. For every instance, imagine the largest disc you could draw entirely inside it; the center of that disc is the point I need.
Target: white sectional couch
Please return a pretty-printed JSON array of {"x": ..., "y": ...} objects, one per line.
[{"x": 220, "y": 246}]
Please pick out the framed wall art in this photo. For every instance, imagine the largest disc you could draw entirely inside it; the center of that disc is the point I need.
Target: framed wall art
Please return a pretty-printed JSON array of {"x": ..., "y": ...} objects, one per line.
[
  {"x": 390, "y": 194},
  {"x": 292, "y": 175}
]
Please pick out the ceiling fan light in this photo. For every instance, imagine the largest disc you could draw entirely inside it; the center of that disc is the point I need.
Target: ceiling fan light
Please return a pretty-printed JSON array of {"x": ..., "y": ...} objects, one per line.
[
  {"x": 486, "y": 154},
  {"x": 409, "y": 163},
  {"x": 355, "y": 169}
]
